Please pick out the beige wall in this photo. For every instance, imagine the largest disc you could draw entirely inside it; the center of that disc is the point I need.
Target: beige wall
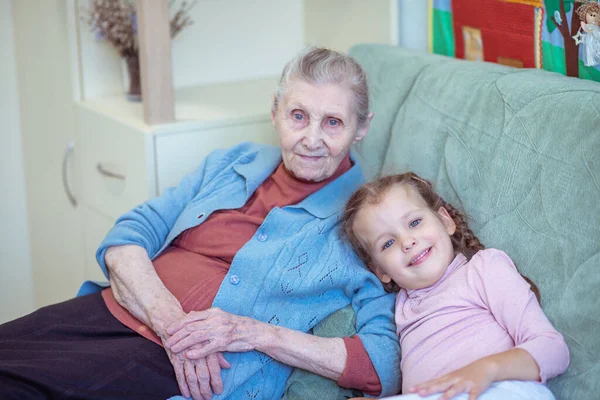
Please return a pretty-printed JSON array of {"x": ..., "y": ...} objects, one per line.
[
  {"x": 16, "y": 288},
  {"x": 339, "y": 24}
]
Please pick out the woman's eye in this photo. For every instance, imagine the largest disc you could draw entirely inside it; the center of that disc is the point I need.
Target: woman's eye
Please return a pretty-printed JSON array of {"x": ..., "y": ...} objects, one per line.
[
  {"x": 387, "y": 244},
  {"x": 333, "y": 122},
  {"x": 415, "y": 223},
  {"x": 298, "y": 116}
]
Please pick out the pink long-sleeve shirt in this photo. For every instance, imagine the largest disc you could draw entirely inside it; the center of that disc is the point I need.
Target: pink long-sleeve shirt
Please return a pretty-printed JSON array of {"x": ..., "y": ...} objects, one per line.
[{"x": 478, "y": 308}]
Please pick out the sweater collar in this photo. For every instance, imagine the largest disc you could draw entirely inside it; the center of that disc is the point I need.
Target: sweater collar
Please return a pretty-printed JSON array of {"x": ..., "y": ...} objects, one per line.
[
  {"x": 332, "y": 198},
  {"x": 256, "y": 167}
]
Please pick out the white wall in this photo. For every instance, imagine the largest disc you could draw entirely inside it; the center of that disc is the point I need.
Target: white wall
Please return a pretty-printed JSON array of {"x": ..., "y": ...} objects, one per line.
[
  {"x": 339, "y": 24},
  {"x": 16, "y": 294},
  {"x": 237, "y": 39}
]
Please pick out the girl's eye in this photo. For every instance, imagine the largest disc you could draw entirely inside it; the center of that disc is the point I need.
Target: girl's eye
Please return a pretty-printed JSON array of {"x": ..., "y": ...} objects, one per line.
[
  {"x": 387, "y": 244},
  {"x": 415, "y": 223}
]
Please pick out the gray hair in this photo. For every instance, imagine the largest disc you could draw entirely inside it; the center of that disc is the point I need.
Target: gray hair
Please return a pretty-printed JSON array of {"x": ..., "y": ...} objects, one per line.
[{"x": 320, "y": 66}]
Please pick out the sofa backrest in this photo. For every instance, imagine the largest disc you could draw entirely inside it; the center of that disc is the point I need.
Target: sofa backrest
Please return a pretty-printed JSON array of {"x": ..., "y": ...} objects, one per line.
[{"x": 519, "y": 152}]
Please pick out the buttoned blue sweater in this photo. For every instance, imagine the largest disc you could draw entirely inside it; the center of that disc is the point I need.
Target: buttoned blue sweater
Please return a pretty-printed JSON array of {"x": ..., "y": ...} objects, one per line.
[{"x": 294, "y": 271}]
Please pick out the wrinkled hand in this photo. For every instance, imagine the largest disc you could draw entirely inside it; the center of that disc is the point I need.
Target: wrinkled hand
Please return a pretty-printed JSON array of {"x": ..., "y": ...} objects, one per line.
[
  {"x": 200, "y": 378},
  {"x": 201, "y": 333},
  {"x": 473, "y": 379}
]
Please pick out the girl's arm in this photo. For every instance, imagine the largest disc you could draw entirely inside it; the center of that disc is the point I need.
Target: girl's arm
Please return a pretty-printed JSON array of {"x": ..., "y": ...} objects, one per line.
[
  {"x": 475, "y": 378},
  {"x": 513, "y": 364},
  {"x": 540, "y": 352},
  {"x": 518, "y": 311}
]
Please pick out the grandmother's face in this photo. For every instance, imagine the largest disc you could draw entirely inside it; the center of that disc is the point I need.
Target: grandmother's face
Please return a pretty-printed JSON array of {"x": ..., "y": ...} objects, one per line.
[{"x": 316, "y": 126}]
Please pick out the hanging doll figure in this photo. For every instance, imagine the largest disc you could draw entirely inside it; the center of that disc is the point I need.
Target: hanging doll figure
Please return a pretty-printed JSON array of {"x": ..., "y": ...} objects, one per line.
[{"x": 589, "y": 13}]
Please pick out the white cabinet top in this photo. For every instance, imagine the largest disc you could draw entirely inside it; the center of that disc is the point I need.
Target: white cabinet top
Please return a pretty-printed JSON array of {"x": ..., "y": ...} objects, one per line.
[{"x": 198, "y": 107}]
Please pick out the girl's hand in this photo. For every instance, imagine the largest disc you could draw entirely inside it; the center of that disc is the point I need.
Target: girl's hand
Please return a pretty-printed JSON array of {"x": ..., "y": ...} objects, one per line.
[
  {"x": 208, "y": 332},
  {"x": 474, "y": 379}
]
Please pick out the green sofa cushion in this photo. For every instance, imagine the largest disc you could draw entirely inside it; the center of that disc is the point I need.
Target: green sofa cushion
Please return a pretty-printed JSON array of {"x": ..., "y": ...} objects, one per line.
[
  {"x": 304, "y": 385},
  {"x": 519, "y": 152}
]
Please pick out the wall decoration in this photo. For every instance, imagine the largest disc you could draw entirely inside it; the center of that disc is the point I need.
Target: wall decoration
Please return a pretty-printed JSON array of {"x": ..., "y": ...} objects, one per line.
[
  {"x": 589, "y": 14},
  {"x": 556, "y": 35}
]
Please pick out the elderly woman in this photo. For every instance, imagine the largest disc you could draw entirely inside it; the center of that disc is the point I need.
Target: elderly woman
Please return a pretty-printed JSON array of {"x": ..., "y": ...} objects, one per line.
[{"x": 228, "y": 272}]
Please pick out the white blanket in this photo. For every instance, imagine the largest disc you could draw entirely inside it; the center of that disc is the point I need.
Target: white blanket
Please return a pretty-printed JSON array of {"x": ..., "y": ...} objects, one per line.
[{"x": 505, "y": 390}]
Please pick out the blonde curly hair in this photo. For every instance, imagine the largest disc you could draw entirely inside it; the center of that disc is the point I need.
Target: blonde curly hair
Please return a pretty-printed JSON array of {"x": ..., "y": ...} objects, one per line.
[{"x": 586, "y": 7}]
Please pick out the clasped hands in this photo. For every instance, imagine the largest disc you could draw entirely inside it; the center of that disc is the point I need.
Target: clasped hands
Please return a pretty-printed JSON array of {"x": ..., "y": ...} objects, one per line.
[{"x": 194, "y": 347}]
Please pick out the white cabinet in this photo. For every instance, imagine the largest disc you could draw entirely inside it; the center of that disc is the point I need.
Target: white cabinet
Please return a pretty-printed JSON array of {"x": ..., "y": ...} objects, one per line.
[
  {"x": 115, "y": 163},
  {"x": 123, "y": 162}
]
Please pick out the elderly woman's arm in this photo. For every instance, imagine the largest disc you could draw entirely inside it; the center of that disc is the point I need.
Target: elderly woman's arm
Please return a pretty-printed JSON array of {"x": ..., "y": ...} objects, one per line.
[
  {"x": 218, "y": 330},
  {"x": 222, "y": 331},
  {"x": 322, "y": 356},
  {"x": 137, "y": 287},
  {"x": 125, "y": 258}
]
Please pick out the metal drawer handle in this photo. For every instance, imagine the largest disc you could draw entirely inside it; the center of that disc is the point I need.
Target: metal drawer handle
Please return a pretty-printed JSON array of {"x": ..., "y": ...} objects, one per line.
[
  {"x": 108, "y": 173},
  {"x": 65, "y": 181}
]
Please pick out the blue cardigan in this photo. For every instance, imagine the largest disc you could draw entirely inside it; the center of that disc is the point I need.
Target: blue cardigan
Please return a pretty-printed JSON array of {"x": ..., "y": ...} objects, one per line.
[{"x": 294, "y": 272}]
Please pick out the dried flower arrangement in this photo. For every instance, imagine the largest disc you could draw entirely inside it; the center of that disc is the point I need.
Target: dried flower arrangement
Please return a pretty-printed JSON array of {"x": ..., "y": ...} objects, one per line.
[{"x": 116, "y": 22}]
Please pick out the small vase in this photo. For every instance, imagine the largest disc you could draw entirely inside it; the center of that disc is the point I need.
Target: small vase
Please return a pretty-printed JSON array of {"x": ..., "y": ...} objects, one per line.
[{"x": 133, "y": 71}]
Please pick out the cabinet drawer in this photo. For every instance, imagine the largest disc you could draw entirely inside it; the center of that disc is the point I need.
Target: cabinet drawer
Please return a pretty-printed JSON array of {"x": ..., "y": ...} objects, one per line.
[
  {"x": 96, "y": 226},
  {"x": 116, "y": 164}
]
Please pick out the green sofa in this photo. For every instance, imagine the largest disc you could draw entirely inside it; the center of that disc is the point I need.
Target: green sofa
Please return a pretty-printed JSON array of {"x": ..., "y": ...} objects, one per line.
[{"x": 519, "y": 152}]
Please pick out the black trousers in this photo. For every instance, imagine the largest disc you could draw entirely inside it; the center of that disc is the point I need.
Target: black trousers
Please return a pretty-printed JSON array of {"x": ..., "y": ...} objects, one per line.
[{"x": 78, "y": 350}]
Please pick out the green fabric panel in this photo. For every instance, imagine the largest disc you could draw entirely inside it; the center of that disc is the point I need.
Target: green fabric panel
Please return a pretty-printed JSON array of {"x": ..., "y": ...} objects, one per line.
[
  {"x": 443, "y": 33},
  {"x": 554, "y": 5},
  {"x": 304, "y": 385},
  {"x": 553, "y": 58},
  {"x": 518, "y": 150},
  {"x": 590, "y": 73}
]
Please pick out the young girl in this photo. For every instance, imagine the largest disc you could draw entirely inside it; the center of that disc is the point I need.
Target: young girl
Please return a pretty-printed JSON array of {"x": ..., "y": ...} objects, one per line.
[{"x": 465, "y": 317}]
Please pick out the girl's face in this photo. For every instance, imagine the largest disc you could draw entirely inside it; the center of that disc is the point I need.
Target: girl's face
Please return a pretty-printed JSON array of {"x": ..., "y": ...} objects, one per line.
[
  {"x": 408, "y": 242},
  {"x": 591, "y": 17}
]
